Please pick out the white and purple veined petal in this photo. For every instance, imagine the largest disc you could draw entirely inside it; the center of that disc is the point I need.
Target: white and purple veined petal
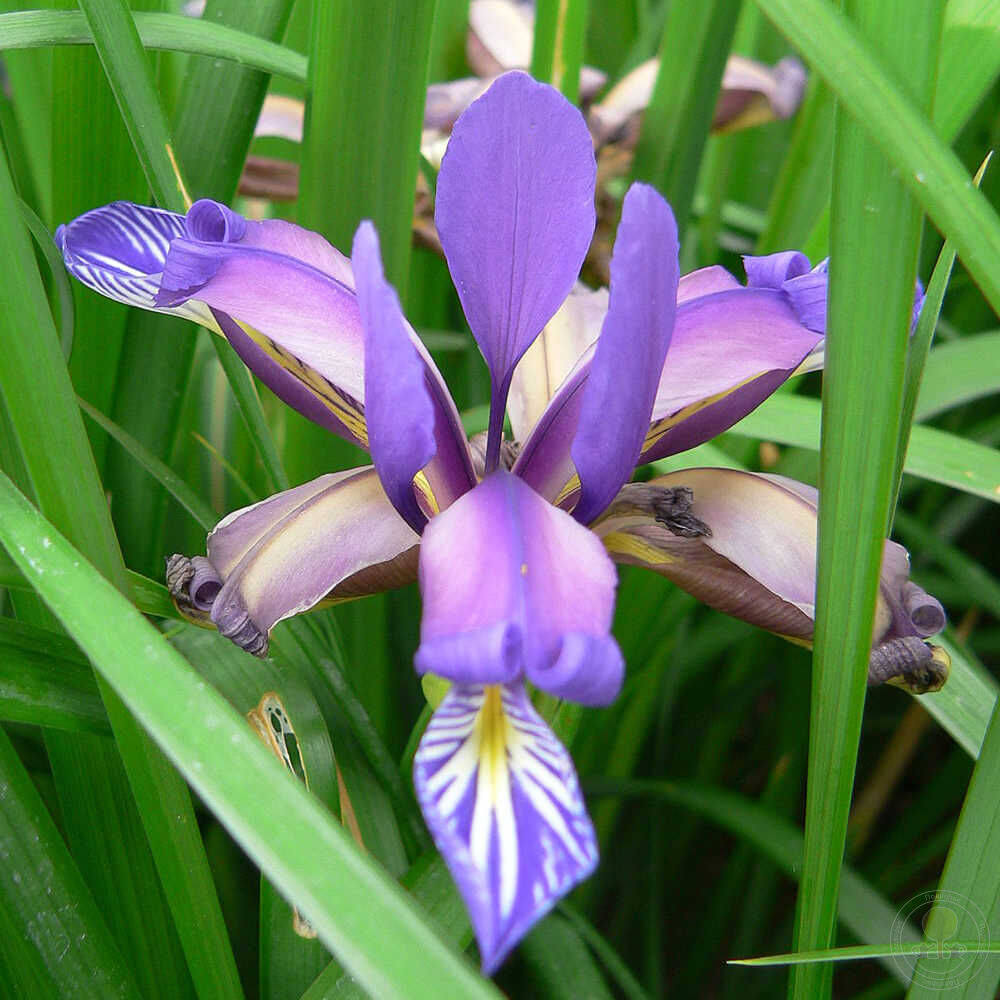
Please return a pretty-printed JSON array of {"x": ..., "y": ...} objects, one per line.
[
  {"x": 501, "y": 798},
  {"x": 120, "y": 250}
]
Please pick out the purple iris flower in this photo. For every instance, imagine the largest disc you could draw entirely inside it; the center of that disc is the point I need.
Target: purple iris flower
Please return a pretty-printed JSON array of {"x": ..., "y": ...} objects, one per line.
[{"x": 512, "y": 542}]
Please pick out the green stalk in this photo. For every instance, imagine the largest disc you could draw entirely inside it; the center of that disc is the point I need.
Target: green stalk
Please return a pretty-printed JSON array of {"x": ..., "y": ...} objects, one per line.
[
  {"x": 875, "y": 223},
  {"x": 560, "y": 32},
  {"x": 693, "y": 52}
]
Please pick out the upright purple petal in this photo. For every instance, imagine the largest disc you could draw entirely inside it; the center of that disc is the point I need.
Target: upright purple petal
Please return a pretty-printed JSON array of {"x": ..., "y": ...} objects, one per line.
[
  {"x": 618, "y": 397},
  {"x": 503, "y": 804},
  {"x": 512, "y": 585},
  {"x": 398, "y": 406},
  {"x": 119, "y": 251},
  {"x": 515, "y": 212}
]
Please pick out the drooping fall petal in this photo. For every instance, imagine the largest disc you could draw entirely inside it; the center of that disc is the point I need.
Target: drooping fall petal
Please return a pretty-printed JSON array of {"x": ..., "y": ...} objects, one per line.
[
  {"x": 514, "y": 587},
  {"x": 285, "y": 554},
  {"x": 503, "y": 804},
  {"x": 620, "y": 390},
  {"x": 759, "y": 561}
]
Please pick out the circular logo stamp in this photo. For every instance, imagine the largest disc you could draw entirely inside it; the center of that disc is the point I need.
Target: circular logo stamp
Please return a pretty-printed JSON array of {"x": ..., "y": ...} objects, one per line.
[{"x": 952, "y": 928}]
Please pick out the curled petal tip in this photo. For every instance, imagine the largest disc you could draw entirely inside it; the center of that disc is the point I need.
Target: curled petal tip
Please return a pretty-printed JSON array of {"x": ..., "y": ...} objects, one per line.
[
  {"x": 501, "y": 798},
  {"x": 212, "y": 222},
  {"x": 490, "y": 655},
  {"x": 588, "y": 670},
  {"x": 909, "y": 663}
]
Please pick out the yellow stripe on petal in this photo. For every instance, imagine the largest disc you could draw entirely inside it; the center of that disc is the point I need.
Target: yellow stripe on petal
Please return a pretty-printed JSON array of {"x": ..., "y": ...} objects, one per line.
[
  {"x": 343, "y": 408},
  {"x": 660, "y": 427},
  {"x": 503, "y": 802}
]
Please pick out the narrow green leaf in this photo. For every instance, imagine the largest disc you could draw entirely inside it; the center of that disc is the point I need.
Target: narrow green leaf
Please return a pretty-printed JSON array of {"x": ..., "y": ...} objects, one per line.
[
  {"x": 932, "y": 172},
  {"x": 150, "y": 597},
  {"x": 57, "y": 271},
  {"x": 862, "y": 910},
  {"x": 802, "y": 190},
  {"x": 965, "y": 704},
  {"x": 212, "y": 142},
  {"x": 920, "y": 345},
  {"x": 107, "y": 830},
  {"x": 933, "y": 454},
  {"x": 44, "y": 899},
  {"x": 365, "y": 919},
  {"x": 970, "y": 61},
  {"x": 123, "y": 58},
  {"x": 46, "y": 681},
  {"x": 617, "y": 969},
  {"x": 693, "y": 52},
  {"x": 34, "y": 28},
  {"x": 367, "y": 79},
  {"x": 559, "y": 964},
  {"x": 160, "y": 471},
  {"x": 131, "y": 77},
  {"x": 874, "y": 220},
  {"x": 959, "y": 372},
  {"x": 908, "y": 953},
  {"x": 557, "y": 55},
  {"x": 967, "y": 902}
]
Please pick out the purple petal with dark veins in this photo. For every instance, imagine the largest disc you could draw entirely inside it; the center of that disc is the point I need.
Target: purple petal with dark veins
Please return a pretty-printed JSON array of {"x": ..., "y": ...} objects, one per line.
[
  {"x": 512, "y": 585},
  {"x": 399, "y": 411},
  {"x": 515, "y": 212},
  {"x": 624, "y": 373},
  {"x": 502, "y": 801},
  {"x": 285, "y": 554},
  {"x": 119, "y": 251}
]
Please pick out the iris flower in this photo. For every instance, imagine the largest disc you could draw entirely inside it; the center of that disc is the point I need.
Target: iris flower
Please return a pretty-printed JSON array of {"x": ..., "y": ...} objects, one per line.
[{"x": 512, "y": 541}]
